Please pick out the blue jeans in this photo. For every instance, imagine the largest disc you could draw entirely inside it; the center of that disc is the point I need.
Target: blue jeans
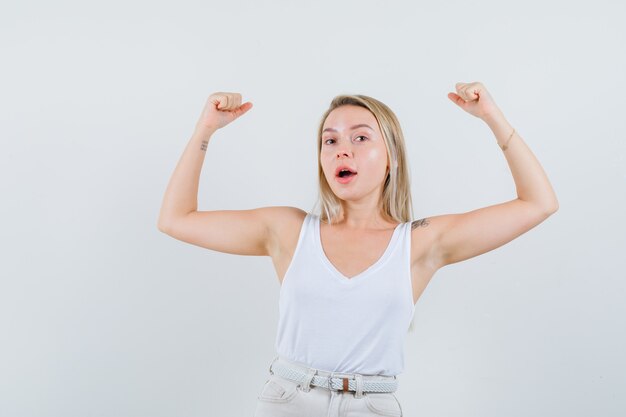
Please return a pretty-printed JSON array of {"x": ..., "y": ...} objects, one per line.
[{"x": 282, "y": 397}]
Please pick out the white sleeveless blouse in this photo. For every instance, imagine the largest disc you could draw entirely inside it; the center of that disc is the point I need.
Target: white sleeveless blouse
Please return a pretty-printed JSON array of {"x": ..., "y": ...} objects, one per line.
[{"x": 349, "y": 325}]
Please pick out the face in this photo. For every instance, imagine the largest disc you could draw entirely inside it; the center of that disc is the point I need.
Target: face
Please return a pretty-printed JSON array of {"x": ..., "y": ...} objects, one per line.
[{"x": 361, "y": 149}]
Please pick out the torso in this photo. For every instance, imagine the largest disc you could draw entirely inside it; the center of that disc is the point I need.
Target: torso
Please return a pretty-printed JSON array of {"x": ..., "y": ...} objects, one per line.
[{"x": 352, "y": 253}]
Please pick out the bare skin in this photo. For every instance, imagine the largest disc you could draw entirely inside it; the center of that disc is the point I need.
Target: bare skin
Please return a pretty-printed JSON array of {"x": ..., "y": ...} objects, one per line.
[{"x": 362, "y": 233}]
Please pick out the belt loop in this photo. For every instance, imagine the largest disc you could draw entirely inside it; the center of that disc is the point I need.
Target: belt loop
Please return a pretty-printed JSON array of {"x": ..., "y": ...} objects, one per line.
[
  {"x": 359, "y": 385},
  {"x": 272, "y": 363},
  {"x": 306, "y": 384}
]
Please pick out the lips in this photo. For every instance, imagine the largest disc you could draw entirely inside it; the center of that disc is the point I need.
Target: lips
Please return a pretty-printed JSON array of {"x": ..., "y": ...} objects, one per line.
[
  {"x": 346, "y": 179},
  {"x": 344, "y": 167}
]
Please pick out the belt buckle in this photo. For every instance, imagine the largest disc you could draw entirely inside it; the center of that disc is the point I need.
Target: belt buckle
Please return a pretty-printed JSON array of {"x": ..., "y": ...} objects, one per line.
[
  {"x": 344, "y": 388},
  {"x": 330, "y": 383}
]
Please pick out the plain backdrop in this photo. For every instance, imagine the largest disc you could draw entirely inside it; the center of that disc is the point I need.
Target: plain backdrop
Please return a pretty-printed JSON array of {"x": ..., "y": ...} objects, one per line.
[{"x": 101, "y": 314}]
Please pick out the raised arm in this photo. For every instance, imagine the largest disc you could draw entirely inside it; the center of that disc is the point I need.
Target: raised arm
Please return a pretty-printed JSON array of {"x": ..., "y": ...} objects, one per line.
[
  {"x": 244, "y": 232},
  {"x": 462, "y": 236}
]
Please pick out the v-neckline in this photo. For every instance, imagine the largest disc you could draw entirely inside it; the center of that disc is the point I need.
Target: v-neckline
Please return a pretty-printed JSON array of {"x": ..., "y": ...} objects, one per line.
[{"x": 368, "y": 270}]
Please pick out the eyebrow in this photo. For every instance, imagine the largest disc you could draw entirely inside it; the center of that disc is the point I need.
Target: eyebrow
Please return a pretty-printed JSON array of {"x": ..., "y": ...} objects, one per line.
[{"x": 330, "y": 129}]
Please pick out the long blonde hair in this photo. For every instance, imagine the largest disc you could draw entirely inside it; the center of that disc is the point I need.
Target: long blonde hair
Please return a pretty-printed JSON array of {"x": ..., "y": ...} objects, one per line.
[{"x": 397, "y": 204}]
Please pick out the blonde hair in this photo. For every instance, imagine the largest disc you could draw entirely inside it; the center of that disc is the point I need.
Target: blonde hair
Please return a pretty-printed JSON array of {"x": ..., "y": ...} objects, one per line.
[{"x": 397, "y": 204}]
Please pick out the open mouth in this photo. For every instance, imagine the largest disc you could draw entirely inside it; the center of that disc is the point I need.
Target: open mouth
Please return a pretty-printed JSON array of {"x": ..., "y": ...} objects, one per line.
[
  {"x": 345, "y": 176},
  {"x": 345, "y": 173}
]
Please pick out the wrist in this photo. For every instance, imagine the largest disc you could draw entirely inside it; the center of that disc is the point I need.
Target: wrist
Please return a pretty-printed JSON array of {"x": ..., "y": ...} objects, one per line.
[
  {"x": 501, "y": 128},
  {"x": 498, "y": 124},
  {"x": 495, "y": 118},
  {"x": 204, "y": 130}
]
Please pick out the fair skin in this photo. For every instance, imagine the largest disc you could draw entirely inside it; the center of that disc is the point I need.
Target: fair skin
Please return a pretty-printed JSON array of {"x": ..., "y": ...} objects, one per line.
[
  {"x": 362, "y": 149},
  {"x": 362, "y": 234}
]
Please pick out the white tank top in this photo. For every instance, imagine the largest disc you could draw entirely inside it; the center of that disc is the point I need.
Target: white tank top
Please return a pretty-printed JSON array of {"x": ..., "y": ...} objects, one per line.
[{"x": 348, "y": 325}]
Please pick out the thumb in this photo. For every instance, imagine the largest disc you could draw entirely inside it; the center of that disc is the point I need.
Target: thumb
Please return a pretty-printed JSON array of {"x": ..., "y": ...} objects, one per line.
[
  {"x": 458, "y": 100},
  {"x": 243, "y": 109}
]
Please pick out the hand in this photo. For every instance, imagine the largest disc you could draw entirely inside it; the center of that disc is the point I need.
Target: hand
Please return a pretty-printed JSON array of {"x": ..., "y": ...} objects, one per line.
[
  {"x": 474, "y": 99},
  {"x": 221, "y": 109}
]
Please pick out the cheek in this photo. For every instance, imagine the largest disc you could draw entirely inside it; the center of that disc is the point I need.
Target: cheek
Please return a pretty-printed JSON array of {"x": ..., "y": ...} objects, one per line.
[
  {"x": 326, "y": 166},
  {"x": 377, "y": 157}
]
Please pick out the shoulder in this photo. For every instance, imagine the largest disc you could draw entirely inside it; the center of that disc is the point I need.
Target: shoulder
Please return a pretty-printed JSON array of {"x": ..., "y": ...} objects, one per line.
[
  {"x": 279, "y": 215},
  {"x": 283, "y": 227},
  {"x": 282, "y": 222},
  {"x": 425, "y": 234}
]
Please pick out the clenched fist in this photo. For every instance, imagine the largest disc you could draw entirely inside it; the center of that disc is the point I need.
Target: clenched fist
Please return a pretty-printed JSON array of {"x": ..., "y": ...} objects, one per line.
[
  {"x": 221, "y": 109},
  {"x": 474, "y": 99}
]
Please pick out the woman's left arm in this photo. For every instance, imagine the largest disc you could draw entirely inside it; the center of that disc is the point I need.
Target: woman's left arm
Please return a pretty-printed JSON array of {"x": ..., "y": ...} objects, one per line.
[{"x": 465, "y": 235}]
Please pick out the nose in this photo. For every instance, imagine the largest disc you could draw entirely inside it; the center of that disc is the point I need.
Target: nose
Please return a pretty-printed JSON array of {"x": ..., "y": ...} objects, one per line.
[{"x": 344, "y": 150}]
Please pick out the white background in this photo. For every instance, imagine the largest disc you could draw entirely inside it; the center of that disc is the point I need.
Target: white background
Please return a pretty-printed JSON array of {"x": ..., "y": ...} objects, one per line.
[{"x": 103, "y": 315}]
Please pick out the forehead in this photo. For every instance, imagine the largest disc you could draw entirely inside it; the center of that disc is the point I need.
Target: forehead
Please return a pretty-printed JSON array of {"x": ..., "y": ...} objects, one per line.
[{"x": 344, "y": 117}]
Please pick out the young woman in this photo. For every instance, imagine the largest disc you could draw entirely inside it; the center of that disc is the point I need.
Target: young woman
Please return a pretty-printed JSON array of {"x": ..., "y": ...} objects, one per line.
[{"x": 350, "y": 276}]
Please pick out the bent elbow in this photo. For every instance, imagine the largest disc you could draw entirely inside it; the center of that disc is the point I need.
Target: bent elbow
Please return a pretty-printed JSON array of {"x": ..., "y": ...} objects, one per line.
[
  {"x": 553, "y": 208},
  {"x": 163, "y": 228}
]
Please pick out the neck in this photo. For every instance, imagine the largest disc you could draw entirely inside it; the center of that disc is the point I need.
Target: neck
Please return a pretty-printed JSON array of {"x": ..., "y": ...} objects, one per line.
[{"x": 357, "y": 217}]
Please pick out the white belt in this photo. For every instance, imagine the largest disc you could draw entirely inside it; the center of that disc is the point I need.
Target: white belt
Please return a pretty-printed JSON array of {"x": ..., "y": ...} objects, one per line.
[{"x": 346, "y": 382}]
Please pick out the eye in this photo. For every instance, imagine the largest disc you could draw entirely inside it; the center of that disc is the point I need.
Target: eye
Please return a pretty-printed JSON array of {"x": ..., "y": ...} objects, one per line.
[{"x": 361, "y": 136}]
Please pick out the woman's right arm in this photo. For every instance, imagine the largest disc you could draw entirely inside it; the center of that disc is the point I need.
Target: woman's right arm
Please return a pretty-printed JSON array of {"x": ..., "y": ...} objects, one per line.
[{"x": 243, "y": 232}]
